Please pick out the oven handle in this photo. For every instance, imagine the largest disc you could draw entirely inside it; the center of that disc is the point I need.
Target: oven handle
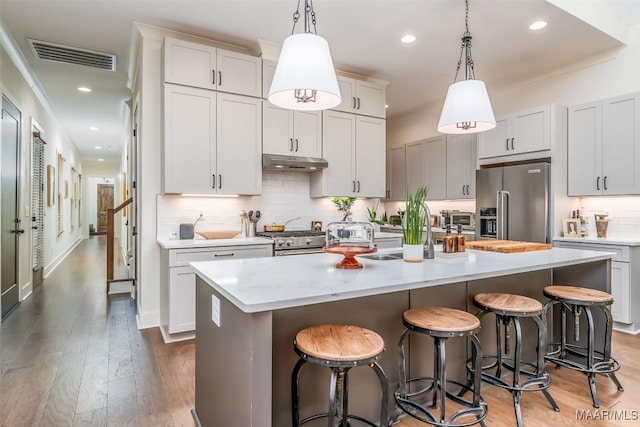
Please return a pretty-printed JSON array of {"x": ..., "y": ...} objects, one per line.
[{"x": 297, "y": 252}]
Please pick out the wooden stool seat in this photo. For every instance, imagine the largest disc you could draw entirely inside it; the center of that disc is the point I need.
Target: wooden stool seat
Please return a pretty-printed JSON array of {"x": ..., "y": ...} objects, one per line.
[
  {"x": 339, "y": 342},
  {"x": 507, "y": 303},
  {"x": 441, "y": 319},
  {"x": 576, "y": 293}
]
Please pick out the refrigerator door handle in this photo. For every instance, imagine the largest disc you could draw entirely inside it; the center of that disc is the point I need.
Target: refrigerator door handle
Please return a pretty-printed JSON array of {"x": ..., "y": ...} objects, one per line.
[{"x": 502, "y": 204}]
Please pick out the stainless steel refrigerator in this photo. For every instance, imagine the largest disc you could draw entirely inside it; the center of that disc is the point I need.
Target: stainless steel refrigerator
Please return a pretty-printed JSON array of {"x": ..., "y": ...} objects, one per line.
[{"x": 512, "y": 203}]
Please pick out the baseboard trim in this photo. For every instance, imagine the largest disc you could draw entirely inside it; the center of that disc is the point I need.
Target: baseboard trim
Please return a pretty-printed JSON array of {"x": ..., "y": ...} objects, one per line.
[
  {"x": 57, "y": 261},
  {"x": 26, "y": 290},
  {"x": 120, "y": 287},
  {"x": 632, "y": 328},
  {"x": 148, "y": 320},
  {"x": 183, "y": 336}
]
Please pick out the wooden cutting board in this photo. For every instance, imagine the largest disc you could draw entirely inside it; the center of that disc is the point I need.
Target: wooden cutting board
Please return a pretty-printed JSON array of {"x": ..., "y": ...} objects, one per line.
[{"x": 506, "y": 246}]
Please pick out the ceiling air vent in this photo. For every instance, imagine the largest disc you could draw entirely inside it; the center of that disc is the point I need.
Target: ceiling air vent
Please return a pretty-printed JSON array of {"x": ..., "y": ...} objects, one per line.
[{"x": 73, "y": 55}]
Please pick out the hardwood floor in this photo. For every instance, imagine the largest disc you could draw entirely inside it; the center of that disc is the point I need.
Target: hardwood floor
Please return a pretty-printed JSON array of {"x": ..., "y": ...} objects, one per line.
[{"x": 71, "y": 356}]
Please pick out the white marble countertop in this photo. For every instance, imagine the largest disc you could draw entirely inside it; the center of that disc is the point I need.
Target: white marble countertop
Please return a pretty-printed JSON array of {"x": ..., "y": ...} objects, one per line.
[
  {"x": 624, "y": 241},
  {"x": 212, "y": 243},
  {"x": 264, "y": 284}
]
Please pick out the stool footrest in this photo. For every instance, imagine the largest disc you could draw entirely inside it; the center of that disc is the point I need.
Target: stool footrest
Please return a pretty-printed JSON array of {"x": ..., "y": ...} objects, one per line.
[
  {"x": 600, "y": 365},
  {"x": 415, "y": 404},
  {"x": 542, "y": 381}
]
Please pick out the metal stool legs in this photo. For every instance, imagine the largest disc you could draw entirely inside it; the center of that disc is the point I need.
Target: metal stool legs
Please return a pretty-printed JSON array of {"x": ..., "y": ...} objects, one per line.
[
  {"x": 592, "y": 362},
  {"x": 338, "y": 397}
]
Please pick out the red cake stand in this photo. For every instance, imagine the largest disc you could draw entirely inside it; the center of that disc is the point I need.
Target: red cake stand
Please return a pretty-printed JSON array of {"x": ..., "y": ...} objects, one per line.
[{"x": 349, "y": 262}]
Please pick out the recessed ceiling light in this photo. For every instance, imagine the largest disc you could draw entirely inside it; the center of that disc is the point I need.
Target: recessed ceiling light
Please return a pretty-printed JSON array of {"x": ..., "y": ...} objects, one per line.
[
  {"x": 409, "y": 38},
  {"x": 84, "y": 89},
  {"x": 97, "y": 147},
  {"x": 538, "y": 25},
  {"x": 93, "y": 128},
  {"x": 101, "y": 160}
]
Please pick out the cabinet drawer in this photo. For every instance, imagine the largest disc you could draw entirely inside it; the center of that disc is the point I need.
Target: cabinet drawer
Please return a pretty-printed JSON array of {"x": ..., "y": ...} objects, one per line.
[
  {"x": 183, "y": 257},
  {"x": 622, "y": 252}
]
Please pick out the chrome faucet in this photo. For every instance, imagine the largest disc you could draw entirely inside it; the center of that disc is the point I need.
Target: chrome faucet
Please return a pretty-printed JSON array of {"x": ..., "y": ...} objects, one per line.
[{"x": 428, "y": 244}]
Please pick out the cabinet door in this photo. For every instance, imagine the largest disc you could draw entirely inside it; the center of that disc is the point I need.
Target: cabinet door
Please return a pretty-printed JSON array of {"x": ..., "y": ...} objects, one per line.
[
  {"x": 436, "y": 164},
  {"x": 370, "y": 156},
  {"x": 584, "y": 155},
  {"x": 415, "y": 167},
  {"x": 621, "y": 145},
  {"x": 239, "y": 144},
  {"x": 620, "y": 291},
  {"x": 461, "y": 166},
  {"x": 189, "y": 139},
  {"x": 307, "y": 133},
  {"x": 347, "y": 88},
  {"x": 189, "y": 64},
  {"x": 530, "y": 131},
  {"x": 277, "y": 130},
  {"x": 338, "y": 148},
  {"x": 268, "y": 71},
  {"x": 397, "y": 185},
  {"x": 239, "y": 73},
  {"x": 494, "y": 142},
  {"x": 370, "y": 99},
  {"x": 182, "y": 300}
]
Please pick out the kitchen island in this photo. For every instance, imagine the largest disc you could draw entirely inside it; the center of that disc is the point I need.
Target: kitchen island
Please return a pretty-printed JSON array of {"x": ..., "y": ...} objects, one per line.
[{"x": 248, "y": 311}]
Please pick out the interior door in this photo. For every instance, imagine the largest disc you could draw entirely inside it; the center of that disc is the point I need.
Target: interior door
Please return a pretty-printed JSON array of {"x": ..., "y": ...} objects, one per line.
[
  {"x": 105, "y": 201},
  {"x": 37, "y": 207},
  {"x": 9, "y": 221}
]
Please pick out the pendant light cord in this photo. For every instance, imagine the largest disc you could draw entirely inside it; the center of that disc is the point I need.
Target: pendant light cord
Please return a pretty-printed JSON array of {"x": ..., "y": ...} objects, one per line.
[
  {"x": 309, "y": 13},
  {"x": 465, "y": 49}
]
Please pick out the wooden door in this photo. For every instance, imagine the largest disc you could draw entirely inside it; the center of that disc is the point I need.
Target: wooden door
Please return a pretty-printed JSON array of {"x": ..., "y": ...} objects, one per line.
[{"x": 105, "y": 201}]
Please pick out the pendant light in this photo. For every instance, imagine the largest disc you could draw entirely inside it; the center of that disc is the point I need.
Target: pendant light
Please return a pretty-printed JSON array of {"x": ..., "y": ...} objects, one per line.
[
  {"x": 467, "y": 108},
  {"x": 305, "y": 78}
]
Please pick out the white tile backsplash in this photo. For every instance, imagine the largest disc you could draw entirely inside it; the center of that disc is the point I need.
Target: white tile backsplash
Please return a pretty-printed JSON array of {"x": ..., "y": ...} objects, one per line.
[
  {"x": 624, "y": 214},
  {"x": 285, "y": 195}
]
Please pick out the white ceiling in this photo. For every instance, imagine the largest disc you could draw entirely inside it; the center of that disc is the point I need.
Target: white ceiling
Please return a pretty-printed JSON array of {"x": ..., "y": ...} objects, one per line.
[{"x": 364, "y": 36}]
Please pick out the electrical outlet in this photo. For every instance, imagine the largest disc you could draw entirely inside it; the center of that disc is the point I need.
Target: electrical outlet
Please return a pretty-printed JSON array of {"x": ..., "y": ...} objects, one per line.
[{"x": 215, "y": 310}]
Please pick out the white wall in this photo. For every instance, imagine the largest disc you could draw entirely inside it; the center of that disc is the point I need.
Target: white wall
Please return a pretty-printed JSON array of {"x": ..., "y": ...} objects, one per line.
[{"x": 14, "y": 85}]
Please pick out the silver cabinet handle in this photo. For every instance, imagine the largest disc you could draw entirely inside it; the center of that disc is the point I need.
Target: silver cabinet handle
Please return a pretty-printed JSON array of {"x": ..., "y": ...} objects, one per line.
[
  {"x": 219, "y": 78},
  {"x": 213, "y": 77},
  {"x": 219, "y": 181},
  {"x": 605, "y": 183},
  {"x": 598, "y": 183},
  {"x": 502, "y": 216},
  {"x": 214, "y": 181},
  {"x": 512, "y": 147},
  {"x": 296, "y": 145},
  {"x": 290, "y": 144}
]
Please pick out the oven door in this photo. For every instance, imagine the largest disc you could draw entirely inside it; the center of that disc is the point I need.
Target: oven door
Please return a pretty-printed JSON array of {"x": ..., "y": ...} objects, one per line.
[{"x": 303, "y": 251}]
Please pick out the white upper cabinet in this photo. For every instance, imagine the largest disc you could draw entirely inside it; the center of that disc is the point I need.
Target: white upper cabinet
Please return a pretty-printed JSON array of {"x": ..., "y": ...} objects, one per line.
[
  {"x": 354, "y": 147},
  {"x": 291, "y": 133},
  {"x": 362, "y": 97},
  {"x": 524, "y": 132},
  {"x": 461, "y": 166},
  {"x": 426, "y": 163},
  {"x": 604, "y": 147},
  {"x": 197, "y": 65},
  {"x": 396, "y": 181},
  {"x": 268, "y": 71},
  {"x": 212, "y": 142}
]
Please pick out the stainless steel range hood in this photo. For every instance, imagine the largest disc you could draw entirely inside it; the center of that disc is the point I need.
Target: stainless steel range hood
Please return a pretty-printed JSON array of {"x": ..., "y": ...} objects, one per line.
[{"x": 276, "y": 162}]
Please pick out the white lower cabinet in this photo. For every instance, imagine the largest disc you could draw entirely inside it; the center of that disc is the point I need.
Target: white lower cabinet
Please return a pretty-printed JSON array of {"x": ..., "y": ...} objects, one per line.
[
  {"x": 178, "y": 284},
  {"x": 625, "y": 286}
]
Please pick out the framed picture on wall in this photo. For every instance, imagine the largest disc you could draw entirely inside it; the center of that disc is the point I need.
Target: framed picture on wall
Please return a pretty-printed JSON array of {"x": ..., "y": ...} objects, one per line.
[{"x": 51, "y": 185}]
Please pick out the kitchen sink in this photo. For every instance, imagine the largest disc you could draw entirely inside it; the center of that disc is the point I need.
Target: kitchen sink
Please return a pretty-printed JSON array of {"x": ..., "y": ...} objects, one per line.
[{"x": 384, "y": 257}]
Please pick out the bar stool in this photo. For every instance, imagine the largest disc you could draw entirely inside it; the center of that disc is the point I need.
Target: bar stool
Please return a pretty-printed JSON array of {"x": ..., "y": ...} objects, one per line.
[
  {"x": 589, "y": 360},
  {"x": 440, "y": 323},
  {"x": 509, "y": 309},
  {"x": 339, "y": 347}
]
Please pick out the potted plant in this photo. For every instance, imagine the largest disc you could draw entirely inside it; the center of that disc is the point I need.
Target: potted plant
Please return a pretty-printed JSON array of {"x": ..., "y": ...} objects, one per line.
[
  {"x": 412, "y": 225},
  {"x": 344, "y": 205},
  {"x": 373, "y": 216}
]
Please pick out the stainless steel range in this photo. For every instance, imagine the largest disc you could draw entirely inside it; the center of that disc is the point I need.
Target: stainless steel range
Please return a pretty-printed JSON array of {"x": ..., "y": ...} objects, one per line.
[{"x": 296, "y": 242}]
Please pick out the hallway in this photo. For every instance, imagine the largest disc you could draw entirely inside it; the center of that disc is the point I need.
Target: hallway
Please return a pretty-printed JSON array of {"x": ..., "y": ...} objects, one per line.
[{"x": 70, "y": 355}]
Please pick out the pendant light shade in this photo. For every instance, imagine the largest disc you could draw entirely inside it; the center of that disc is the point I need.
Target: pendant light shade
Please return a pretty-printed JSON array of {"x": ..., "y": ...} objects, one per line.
[
  {"x": 466, "y": 109},
  {"x": 305, "y": 78}
]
